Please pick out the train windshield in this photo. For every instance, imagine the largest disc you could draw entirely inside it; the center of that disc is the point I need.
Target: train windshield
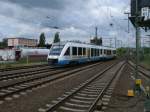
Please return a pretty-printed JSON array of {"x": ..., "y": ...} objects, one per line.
[{"x": 56, "y": 49}]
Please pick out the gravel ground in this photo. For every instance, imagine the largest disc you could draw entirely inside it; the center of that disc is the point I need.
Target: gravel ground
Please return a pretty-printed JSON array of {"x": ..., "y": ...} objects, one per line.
[
  {"x": 119, "y": 101},
  {"x": 39, "y": 97}
]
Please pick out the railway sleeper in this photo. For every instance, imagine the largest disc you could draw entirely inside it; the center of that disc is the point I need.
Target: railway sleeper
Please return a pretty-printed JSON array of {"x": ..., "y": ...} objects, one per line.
[
  {"x": 84, "y": 98},
  {"x": 66, "y": 109},
  {"x": 86, "y": 95},
  {"x": 77, "y": 105},
  {"x": 80, "y": 101}
]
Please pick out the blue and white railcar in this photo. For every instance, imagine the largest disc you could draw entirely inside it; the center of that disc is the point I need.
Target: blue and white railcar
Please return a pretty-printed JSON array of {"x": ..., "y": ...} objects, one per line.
[{"x": 63, "y": 53}]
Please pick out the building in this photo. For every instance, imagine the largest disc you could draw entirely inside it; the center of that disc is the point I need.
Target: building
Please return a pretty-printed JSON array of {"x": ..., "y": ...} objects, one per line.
[
  {"x": 96, "y": 41},
  {"x": 22, "y": 42}
]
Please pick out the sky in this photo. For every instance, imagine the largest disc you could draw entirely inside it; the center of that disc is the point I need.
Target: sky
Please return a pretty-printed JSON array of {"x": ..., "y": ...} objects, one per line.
[{"x": 76, "y": 19}]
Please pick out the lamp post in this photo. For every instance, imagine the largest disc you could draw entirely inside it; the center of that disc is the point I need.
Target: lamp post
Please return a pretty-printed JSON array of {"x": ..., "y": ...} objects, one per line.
[
  {"x": 137, "y": 28},
  {"x": 128, "y": 13}
]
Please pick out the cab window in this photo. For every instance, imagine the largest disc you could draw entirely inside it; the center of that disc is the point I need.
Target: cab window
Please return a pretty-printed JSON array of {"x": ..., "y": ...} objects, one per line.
[{"x": 67, "y": 53}]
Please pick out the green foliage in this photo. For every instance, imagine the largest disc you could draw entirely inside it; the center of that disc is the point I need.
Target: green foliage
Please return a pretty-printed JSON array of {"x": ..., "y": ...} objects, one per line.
[
  {"x": 3, "y": 44},
  {"x": 146, "y": 50},
  {"x": 121, "y": 51},
  {"x": 56, "y": 37},
  {"x": 42, "y": 40},
  {"x": 145, "y": 60}
]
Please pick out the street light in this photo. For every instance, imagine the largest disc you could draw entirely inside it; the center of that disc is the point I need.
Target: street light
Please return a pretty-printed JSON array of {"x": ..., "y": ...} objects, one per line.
[{"x": 128, "y": 13}]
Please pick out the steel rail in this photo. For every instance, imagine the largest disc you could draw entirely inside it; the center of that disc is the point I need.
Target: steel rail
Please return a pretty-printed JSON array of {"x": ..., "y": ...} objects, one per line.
[
  {"x": 146, "y": 75},
  {"x": 45, "y": 81},
  {"x": 55, "y": 106}
]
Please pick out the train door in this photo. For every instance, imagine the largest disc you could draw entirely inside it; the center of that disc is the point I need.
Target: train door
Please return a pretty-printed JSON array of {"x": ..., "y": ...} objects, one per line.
[
  {"x": 88, "y": 52},
  {"x": 17, "y": 55}
]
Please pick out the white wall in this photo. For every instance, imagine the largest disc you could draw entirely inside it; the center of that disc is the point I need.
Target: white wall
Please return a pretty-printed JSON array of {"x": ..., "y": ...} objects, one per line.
[{"x": 7, "y": 54}]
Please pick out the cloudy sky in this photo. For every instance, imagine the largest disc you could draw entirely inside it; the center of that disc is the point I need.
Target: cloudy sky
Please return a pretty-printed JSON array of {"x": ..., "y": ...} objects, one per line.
[{"x": 76, "y": 19}]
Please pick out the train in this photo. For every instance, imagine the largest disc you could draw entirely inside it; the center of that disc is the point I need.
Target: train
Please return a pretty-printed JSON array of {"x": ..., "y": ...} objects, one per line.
[
  {"x": 15, "y": 54},
  {"x": 65, "y": 53}
]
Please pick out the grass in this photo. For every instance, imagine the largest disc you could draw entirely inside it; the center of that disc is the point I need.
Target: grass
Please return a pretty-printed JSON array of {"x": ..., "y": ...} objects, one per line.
[
  {"x": 146, "y": 61},
  {"x": 22, "y": 62}
]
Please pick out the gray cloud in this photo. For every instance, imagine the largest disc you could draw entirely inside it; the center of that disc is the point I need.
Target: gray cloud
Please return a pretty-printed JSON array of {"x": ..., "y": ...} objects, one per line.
[
  {"x": 54, "y": 4},
  {"x": 76, "y": 19}
]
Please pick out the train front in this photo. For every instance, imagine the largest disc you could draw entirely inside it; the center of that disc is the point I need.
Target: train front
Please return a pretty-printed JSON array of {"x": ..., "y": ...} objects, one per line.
[{"x": 54, "y": 54}]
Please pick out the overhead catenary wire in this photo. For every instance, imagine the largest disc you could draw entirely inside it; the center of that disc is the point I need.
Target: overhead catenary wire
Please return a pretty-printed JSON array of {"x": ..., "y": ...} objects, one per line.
[{"x": 110, "y": 17}]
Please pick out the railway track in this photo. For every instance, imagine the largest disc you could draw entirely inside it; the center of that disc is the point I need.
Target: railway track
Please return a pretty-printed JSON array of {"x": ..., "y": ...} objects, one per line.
[
  {"x": 14, "y": 89},
  {"x": 144, "y": 67},
  {"x": 33, "y": 72},
  {"x": 9, "y": 75},
  {"x": 14, "y": 75},
  {"x": 142, "y": 70},
  {"x": 86, "y": 96},
  {"x": 21, "y": 67}
]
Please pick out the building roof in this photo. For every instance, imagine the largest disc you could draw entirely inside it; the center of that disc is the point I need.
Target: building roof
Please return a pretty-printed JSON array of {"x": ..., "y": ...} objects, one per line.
[
  {"x": 83, "y": 43},
  {"x": 21, "y": 38}
]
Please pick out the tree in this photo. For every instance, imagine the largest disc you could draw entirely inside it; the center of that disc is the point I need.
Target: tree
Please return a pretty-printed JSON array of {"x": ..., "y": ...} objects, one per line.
[
  {"x": 56, "y": 37},
  {"x": 121, "y": 51},
  {"x": 3, "y": 44},
  {"x": 42, "y": 40}
]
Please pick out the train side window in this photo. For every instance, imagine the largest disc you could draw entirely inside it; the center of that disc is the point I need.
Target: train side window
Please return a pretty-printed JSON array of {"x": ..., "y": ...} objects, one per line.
[
  {"x": 97, "y": 52},
  {"x": 108, "y": 52},
  {"x": 74, "y": 50},
  {"x": 84, "y": 51},
  {"x": 114, "y": 52},
  {"x": 67, "y": 51},
  {"x": 100, "y": 51},
  {"x": 105, "y": 51},
  {"x": 92, "y": 52},
  {"x": 79, "y": 50}
]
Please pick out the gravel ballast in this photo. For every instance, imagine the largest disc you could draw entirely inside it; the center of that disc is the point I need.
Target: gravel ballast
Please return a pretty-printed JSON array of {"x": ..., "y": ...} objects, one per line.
[
  {"x": 35, "y": 99},
  {"x": 120, "y": 102}
]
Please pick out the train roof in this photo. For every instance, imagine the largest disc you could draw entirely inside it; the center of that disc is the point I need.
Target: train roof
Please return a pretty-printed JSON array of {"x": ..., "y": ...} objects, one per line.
[{"x": 82, "y": 44}]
